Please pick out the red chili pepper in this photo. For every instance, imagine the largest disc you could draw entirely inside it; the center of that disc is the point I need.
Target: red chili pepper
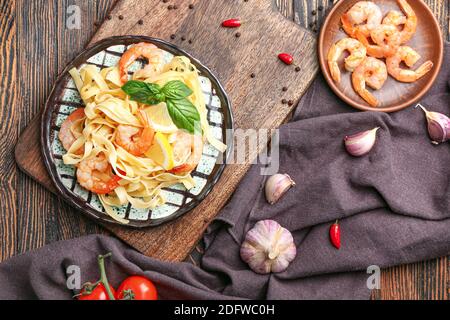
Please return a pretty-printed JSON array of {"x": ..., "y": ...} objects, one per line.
[
  {"x": 231, "y": 23},
  {"x": 335, "y": 235},
  {"x": 286, "y": 58}
]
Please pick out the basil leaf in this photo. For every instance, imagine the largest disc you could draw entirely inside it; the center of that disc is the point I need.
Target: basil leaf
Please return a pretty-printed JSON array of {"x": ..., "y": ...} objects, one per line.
[
  {"x": 144, "y": 92},
  {"x": 174, "y": 93},
  {"x": 184, "y": 115},
  {"x": 176, "y": 90}
]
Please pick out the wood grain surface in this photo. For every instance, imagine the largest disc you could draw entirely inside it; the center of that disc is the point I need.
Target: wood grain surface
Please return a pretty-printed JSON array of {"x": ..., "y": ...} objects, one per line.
[{"x": 31, "y": 216}]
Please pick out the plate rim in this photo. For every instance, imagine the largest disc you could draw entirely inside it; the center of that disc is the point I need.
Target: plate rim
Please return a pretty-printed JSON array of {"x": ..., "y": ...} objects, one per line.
[
  {"x": 363, "y": 107},
  {"x": 48, "y": 111}
]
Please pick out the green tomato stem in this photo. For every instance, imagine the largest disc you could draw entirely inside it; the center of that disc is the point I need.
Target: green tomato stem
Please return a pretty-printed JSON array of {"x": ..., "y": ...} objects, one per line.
[{"x": 103, "y": 277}]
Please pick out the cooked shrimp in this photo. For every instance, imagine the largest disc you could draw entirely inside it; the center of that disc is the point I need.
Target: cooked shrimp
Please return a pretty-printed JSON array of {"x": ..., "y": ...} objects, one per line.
[
  {"x": 95, "y": 174},
  {"x": 187, "y": 146},
  {"x": 409, "y": 57},
  {"x": 386, "y": 38},
  {"x": 357, "y": 55},
  {"x": 394, "y": 18},
  {"x": 66, "y": 135},
  {"x": 136, "y": 140},
  {"x": 153, "y": 54},
  {"x": 386, "y": 35},
  {"x": 362, "y": 12},
  {"x": 373, "y": 72},
  {"x": 410, "y": 23}
]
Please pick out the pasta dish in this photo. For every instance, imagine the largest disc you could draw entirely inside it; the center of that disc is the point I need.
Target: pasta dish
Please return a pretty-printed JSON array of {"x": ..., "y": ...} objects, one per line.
[{"x": 137, "y": 135}]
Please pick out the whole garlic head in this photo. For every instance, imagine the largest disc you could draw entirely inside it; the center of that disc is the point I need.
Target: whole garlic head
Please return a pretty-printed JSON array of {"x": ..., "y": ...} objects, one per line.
[{"x": 268, "y": 247}]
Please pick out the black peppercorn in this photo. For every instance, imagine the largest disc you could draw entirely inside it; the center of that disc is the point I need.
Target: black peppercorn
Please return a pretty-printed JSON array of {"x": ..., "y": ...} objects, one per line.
[
  {"x": 253, "y": 75},
  {"x": 320, "y": 7},
  {"x": 190, "y": 41},
  {"x": 141, "y": 21},
  {"x": 297, "y": 69},
  {"x": 314, "y": 12},
  {"x": 109, "y": 17},
  {"x": 175, "y": 7},
  {"x": 170, "y": 7},
  {"x": 290, "y": 102},
  {"x": 238, "y": 34},
  {"x": 284, "y": 101},
  {"x": 165, "y": 1},
  {"x": 191, "y": 6},
  {"x": 285, "y": 89},
  {"x": 172, "y": 36},
  {"x": 121, "y": 17}
]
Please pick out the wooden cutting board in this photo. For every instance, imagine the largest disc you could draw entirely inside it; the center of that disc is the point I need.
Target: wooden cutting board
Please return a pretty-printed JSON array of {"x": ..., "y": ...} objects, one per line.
[{"x": 245, "y": 61}]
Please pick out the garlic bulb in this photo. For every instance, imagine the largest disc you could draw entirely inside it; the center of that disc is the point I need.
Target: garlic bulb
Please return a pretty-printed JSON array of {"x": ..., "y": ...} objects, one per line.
[
  {"x": 276, "y": 186},
  {"x": 361, "y": 143},
  {"x": 438, "y": 126},
  {"x": 268, "y": 247}
]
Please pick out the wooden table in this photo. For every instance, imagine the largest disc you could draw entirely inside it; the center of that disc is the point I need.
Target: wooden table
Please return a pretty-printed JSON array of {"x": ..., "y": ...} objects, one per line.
[{"x": 35, "y": 46}]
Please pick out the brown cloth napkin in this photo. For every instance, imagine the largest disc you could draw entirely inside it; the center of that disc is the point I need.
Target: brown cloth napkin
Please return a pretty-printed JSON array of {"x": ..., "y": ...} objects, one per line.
[{"x": 393, "y": 206}]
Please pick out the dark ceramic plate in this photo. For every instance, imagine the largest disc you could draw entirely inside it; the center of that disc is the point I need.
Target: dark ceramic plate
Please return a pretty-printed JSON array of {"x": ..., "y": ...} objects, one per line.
[
  {"x": 394, "y": 95},
  {"x": 64, "y": 98}
]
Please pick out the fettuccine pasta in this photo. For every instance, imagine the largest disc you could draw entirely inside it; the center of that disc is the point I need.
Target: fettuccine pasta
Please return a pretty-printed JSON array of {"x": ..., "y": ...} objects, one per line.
[{"x": 113, "y": 144}]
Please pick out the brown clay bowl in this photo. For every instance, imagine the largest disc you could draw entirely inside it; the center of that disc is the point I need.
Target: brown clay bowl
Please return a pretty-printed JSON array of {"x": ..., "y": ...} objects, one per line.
[{"x": 394, "y": 95}]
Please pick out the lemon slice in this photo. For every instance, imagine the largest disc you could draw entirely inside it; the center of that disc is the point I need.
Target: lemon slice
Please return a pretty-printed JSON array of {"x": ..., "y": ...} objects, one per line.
[
  {"x": 160, "y": 119},
  {"x": 161, "y": 151}
]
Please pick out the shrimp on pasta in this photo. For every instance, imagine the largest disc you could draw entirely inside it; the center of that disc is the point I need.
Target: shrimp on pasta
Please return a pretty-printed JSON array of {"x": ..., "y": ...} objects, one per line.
[{"x": 126, "y": 148}]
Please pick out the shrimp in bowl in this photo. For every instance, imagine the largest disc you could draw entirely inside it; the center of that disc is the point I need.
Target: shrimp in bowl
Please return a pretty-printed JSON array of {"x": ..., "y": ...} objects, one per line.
[
  {"x": 372, "y": 72},
  {"x": 376, "y": 43},
  {"x": 409, "y": 56},
  {"x": 363, "y": 17},
  {"x": 357, "y": 55}
]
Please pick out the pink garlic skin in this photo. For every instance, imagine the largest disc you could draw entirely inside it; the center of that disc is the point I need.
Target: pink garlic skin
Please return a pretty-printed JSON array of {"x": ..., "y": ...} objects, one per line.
[
  {"x": 268, "y": 247},
  {"x": 361, "y": 143},
  {"x": 276, "y": 186},
  {"x": 439, "y": 129},
  {"x": 438, "y": 126}
]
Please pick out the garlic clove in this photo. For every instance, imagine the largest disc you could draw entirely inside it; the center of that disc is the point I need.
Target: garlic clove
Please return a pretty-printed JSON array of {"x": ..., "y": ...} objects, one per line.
[
  {"x": 361, "y": 143},
  {"x": 276, "y": 186},
  {"x": 268, "y": 247},
  {"x": 438, "y": 126}
]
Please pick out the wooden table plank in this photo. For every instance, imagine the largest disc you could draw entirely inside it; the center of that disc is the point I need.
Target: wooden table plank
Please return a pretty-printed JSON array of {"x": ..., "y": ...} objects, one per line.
[
  {"x": 31, "y": 216},
  {"x": 8, "y": 130},
  {"x": 36, "y": 33}
]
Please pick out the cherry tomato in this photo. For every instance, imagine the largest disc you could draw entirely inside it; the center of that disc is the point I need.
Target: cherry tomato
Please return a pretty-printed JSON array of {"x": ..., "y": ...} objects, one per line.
[
  {"x": 137, "y": 288},
  {"x": 99, "y": 293}
]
